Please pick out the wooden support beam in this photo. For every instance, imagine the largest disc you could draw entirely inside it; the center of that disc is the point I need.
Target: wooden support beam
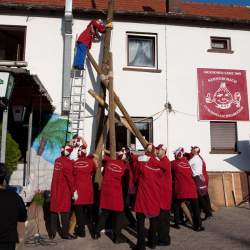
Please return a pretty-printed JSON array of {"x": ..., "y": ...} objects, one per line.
[
  {"x": 111, "y": 114},
  {"x": 99, "y": 147},
  {"x": 136, "y": 131},
  {"x": 106, "y": 49},
  {"x": 98, "y": 152},
  {"x": 117, "y": 116}
]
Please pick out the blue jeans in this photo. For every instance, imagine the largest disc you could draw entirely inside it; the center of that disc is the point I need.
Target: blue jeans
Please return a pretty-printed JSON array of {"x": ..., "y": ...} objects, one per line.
[{"x": 81, "y": 52}]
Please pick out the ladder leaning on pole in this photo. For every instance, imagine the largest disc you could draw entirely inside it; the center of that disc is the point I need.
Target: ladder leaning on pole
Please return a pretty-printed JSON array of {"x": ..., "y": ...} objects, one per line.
[{"x": 77, "y": 102}]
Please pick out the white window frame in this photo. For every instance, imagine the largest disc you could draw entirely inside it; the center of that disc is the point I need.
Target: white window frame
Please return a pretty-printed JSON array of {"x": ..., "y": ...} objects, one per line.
[
  {"x": 146, "y": 35},
  {"x": 221, "y": 50}
]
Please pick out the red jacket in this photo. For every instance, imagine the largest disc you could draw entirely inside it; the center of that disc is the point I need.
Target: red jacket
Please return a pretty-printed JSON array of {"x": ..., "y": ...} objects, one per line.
[
  {"x": 89, "y": 34},
  {"x": 184, "y": 183},
  {"x": 83, "y": 171},
  {"x": 111, "y": 188},
  {"x": 166, "y": 184},
  {"x": 148, "y": 176},
  {"x": 62, "y": 185}
]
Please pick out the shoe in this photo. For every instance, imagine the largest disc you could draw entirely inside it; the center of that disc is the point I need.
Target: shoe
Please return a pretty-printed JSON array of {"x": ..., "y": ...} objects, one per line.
[
  {"x": 132, "y": 225},
  {"x": 208, "y": 216},
  {"x": 138, "y": 248},
  {"x": 97, "y": 235},
  {"x": 162, "y": 243},
  {"x": 68, "y": 237},
  {"x": 81, "y": 234},
  {"x": 119, "y": 240},
  {"x": 176, "y": 226},
  {"x": 199, "y": 229},
  {"x": 92, "y": 235},
  {"x": 52, "y": 236},
  {"x": 73, "y": 236},
  {"x": 151, "y": 245}
]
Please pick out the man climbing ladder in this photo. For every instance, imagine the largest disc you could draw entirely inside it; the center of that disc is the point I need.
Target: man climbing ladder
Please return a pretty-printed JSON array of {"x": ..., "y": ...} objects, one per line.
[{"x": 85, "y": 40}]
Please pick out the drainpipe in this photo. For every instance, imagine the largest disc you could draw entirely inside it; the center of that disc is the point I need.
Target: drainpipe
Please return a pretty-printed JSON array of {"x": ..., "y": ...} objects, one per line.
[{"x": 67, "y": 35}]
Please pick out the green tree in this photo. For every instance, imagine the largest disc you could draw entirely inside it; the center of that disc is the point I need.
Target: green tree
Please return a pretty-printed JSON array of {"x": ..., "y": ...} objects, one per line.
[
  {"x": 54, "y": 133},
  {"x": 13, "y": 152}
]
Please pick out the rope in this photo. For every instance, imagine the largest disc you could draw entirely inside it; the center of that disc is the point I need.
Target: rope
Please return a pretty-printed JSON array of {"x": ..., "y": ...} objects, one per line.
[{"x": 183, "y": 113}]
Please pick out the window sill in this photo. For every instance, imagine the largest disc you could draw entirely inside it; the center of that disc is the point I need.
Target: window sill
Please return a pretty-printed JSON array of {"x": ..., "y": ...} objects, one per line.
[
  {"x": 142, "y": 70},
  {"x": 224, "y": 151},
  {"x": 220, "y": 51}
]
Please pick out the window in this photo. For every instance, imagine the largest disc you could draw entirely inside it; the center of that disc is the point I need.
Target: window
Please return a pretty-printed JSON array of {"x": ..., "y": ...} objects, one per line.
[
  {"x": 223, "y": 137},
  {"x": 145, "y": 125},
  {"x": 142, "y": 51},
  {"x": 12, "y": 43},
  {"x": 125, "y": 138},
  {"x": 220, "y": 44}
]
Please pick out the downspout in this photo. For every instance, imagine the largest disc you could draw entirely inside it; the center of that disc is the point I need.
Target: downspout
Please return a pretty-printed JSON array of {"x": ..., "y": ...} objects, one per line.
[{"x": 67, "y": 37}]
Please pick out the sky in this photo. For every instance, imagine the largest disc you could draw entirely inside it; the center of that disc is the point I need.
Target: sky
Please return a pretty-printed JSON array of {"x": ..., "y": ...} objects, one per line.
[{"x": 234, "y": 2}]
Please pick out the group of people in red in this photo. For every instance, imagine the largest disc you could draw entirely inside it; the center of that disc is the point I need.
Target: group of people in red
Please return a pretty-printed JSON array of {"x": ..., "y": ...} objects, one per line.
[{"x": 149, "y": 185}]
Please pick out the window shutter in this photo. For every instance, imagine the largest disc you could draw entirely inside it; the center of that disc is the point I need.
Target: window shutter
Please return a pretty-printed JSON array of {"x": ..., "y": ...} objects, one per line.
[{"x": 223, "y": 135}]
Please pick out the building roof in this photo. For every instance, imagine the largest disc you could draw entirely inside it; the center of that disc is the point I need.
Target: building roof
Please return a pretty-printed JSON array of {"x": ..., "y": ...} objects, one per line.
[
  {"x": 28, "y": 89},
  {"x": 158, "y": 8},
  {"x": 212, "y": 10}
]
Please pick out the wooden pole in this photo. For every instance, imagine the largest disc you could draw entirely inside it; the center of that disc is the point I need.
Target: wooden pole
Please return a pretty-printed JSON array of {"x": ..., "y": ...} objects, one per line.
[
  {"x": 111, "y": 114},
  {"x": 117, "y": 116},
  {"x": 104, "y": 82},
  {"x": 99, "y": 146},
  {"x": 98, "y": 151},
  {"x": 106, "y": 48}
]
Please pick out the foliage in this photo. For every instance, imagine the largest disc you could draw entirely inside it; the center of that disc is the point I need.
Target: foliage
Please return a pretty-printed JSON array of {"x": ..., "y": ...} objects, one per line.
[
  {"x": 38, "y": 199},
  {"x": 13, "y": 152}
]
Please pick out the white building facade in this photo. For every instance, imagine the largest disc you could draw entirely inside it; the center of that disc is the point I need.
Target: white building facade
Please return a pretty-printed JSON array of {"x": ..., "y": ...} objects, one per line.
[{"x": 174, "y": 52}]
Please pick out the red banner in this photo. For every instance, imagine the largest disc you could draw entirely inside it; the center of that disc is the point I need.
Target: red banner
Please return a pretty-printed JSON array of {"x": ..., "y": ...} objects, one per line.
[{"x": 222, "y": 94}]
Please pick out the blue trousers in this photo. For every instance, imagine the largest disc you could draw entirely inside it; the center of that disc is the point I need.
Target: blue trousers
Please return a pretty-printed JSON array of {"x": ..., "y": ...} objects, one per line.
[{"x": 81, "y": 52}]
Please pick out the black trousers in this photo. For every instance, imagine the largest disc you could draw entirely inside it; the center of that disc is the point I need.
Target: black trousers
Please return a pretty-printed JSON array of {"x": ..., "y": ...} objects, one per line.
[
  {"x": 205, "y": 204},
  {"x": 117, "y": 221},
  {"x": 127, "y": 210},
  {"x": 7, "y": 245},
  {"x": 54, "y": 217},
  {"x": 152, "y": 237},
  {"x": 178, "y": 213},
  {"x": 84, "y": 217},
  {"x": 195, "y": 211},
  {"x": 163, "y": 227}
]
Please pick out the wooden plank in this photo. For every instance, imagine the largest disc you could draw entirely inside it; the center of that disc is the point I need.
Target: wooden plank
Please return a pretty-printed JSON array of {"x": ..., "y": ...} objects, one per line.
[
  {"x": 106, "y": 48},
  {"x": 111, "y": 114}
]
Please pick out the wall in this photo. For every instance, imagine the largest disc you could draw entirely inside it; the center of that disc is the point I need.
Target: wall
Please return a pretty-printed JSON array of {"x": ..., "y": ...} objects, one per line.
[
  {"x": 187, "y": 51},
  {"x": 43, "y": 50},
  {"x": 181, "y": 51}
]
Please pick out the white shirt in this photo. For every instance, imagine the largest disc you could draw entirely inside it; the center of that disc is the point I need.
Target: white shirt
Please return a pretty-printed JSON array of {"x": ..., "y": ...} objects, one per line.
[
  {"x": 196, "y": 165},
  {"x": 74, "y": 154}
]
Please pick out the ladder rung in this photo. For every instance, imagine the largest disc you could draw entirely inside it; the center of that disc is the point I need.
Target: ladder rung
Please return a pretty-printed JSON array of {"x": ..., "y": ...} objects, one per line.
[
  {"x": 73, "y": 112},
  {"x": 78, "y": 119},
  {"x": 77, "y": 86},
  {"x": 80, "y": 95},
  {"x": 77, "y": 122},
  {"x": 77, "y": 103}
]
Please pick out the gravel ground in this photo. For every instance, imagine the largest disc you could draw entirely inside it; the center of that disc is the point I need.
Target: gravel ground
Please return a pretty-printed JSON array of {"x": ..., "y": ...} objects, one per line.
[{"x": 228, "y": 229}]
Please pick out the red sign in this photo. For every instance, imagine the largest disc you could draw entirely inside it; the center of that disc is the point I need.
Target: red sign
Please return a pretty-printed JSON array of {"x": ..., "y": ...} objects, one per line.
[{"x": 222, "y": 94}]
